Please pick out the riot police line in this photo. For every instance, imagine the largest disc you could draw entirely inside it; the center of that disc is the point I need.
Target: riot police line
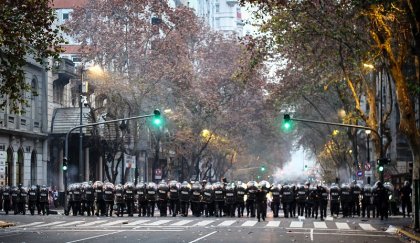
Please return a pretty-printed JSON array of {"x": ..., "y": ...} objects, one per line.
[
  {"x": 19, "y": 199},
  {"x": 206, "y": 199}
]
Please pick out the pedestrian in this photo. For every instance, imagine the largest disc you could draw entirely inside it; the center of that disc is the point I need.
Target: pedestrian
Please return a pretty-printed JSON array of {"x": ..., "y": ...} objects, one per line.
[{"x": 405, "y": 194}]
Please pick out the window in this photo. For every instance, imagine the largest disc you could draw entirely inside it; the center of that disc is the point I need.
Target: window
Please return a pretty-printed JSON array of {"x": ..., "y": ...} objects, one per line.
[
  {"x": 34, "y": 99},
  {"x": 65, "y": 16},
  {"x": 58, "y": 92},
  {"x": 217, "y": 8},
  {"x": 76, "y": 59}
]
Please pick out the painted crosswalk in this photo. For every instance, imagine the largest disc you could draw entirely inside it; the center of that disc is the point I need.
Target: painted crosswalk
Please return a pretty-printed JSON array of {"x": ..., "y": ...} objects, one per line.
[{"x": 196, "y": 222}]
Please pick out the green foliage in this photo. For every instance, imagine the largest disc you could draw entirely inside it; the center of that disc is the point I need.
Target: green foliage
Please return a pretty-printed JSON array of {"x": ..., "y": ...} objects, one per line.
[{"x": 25, "y": 31}]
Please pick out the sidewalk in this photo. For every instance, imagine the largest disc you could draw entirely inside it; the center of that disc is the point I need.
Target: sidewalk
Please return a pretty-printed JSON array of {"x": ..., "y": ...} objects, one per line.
[{"x": 408, "y": 233}]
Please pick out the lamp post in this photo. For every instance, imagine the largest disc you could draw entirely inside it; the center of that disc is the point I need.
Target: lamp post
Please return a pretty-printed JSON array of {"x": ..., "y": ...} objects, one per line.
[
  {"x": 368, "y": 150},
  {"x": 81, "y": 164}
]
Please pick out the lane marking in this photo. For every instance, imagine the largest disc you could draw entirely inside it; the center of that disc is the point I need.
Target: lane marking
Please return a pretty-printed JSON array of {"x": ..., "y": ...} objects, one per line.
[
  {"x": 296, "y": 224},
  {"x": 227, "y": 223},
  {"x": 115, "y": 222},
  {"x": 367, "y": 227},
  {"x": 27, "y": 225},
  {"x": 49, "y": 224},
  {"x": 202, "y": 237},
  {"x": 249, "y": 223},
  {"x": 273, "y": 224},
  {"x": 329, "y": 218},
  {"x": 159, "y": 222},
  {"x": 342, "y": 225},
  {"x": 320, "y": 225},
  {"x": 182, "y": 222},
  {"x": 341, "y": 233},
  {"x": 70, "y": 223},
  {"x": 92, "y": 223},
  {"x": 96, "y": 236},
  {"x": 312, "y": 234},
  {"x": 137, "y": 222},
  {"x": 204, "y": 223}
]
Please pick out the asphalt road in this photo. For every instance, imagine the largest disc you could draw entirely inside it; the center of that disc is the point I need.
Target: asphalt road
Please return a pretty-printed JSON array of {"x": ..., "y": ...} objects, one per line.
[{"x": 60, "y": 228}]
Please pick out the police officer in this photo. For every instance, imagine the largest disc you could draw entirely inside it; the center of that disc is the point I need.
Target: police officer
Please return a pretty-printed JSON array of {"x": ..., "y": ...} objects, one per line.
[
  {"x": 184, "y": 198},
  {"x": 89, "y": 198},
  {"x": 356, "y": 191},
  {"x": 129, "y": 197},
  {"x": 261, "y": 199},
  {"x": 6, "y": 199},
  {"x": 163, "y": 198},
  {"x": 119, "y": 200},
  {"x": 108, "y": 197},
  {"x": 323, "y": 201},
  {"x": 151, "y": 198},
  {"x": 294, "y": 204},
  {"x": 196, "y": 199},
  {"x": 15, "y": 199},
  {"x": 173, "y": 198},
  {"x": 275, "y": 202},
  {"x": 230, "y": 199},
  {"x": 99, "y": 198},
  {"x": 405, "y": 194},
  {"x": 335, "y": 199},
  {"x": 250, "y": 200},
  {"x": 314, "y": 197},
  {"x": 141, "y": 198},
  {"x": 219, "y": 198},
  {"x": 23, "y": 195},
  {"x": 77, "y": 199},
  {"x": 382, "y": 200},
  {"x": 346, "y": 198},
  {"x": 43, "y": 200},
  {"x": 286, "y": 200},
  {"x": 32, "y": 199},
  {"x": 367, "y": 200},
  {"x": 300, "y": 199},
  {"x": 208, "y": 200},
  {"x": 391, "y": 206},
  {"x": 240, "y": 198}
]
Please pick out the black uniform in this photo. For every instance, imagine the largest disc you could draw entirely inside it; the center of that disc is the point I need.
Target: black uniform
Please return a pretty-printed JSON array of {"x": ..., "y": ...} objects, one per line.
[
  {"x": 88, "y": 196},
  {"x": 32, "y": 199},
  {"x": 119, "y": 200},
  {"x": 15, "y": 199},
  {"x": 261, "y": 200},
  {"x": 163, "y": 198},
  {"x": 77, "y": 199},
  {"x": 43, "y": 200},
  {"x": 301, "y": 195},
  {"x": 367, "y": 201},
  {"x": 196, "y": 199},
  {"x": 151, "y": 198},
  {"x": 208, "y": 199},
  {"x": 346, "y": 198},
  {"x": 314, "y": 198},
  {"x": 99, "y": 198},
  {"x": 287, "y": 200},
  {"x": 275, "y": 203},
  {"x": 335, "y": 200},
  {"x": 356, "y": 191},
  {"x": 6, "y": 199},
  {"x": 323, "y": 201},
  {"x": 129, "y": 197},
  {"x": 23, "y": 195},
  {"x": 230, "y": 199},
  {"x": 108, "y": 196},
  {"x": 184, "y": 198},
  {"x": 250, "y": 201},
  {"x": 219, "y": 198},
  {"x": 240, "y": 199},
  {"x": 405, "y": 193},
  {"x": 141, "y": 199},
  {"x": 173, "y": 198},
  {"x": 382, "y": 200}
]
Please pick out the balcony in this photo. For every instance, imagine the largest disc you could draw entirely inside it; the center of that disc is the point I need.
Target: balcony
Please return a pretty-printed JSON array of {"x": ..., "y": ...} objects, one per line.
[
  {"x": 65, "y": 69},
  {"x": 231, "y": 2}
]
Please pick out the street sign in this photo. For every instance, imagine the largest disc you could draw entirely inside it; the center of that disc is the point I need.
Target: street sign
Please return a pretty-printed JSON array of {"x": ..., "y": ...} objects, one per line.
[
  {"x": 368, "y": 173},
  {"x": 359, "y": 173},
  {"x": 367, "y": 166}
]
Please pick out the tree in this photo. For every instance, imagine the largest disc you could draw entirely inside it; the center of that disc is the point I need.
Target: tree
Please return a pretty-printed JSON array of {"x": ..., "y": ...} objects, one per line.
[{"x": 26, "y": 31}]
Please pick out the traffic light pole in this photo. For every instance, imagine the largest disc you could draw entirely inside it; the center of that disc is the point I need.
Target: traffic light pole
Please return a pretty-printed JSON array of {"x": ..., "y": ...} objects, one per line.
[
  {"x": 381, "y": 173},
  {"x": 66, "y": 147}
]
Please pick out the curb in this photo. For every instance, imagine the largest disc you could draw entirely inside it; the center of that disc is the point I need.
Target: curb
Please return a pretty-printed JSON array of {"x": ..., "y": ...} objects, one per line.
[
  {"x": 408, "y": 235},
  {"x": 4, "y": 224}
]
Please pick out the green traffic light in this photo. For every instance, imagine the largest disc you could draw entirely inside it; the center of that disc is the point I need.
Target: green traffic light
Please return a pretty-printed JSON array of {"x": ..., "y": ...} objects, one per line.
[
  {"x": 64, "y": 167},
  {"x": 381, "y": 168},
  {"x": 157, "y": 121},
  {"x": 287, "y": 123},
  {"x": 262, "y": 168},
  {"x": 157, "y": 118}
]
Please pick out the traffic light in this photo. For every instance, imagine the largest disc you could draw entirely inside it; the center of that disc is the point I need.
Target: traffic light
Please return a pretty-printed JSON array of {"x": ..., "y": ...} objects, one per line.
[
  {"x": 381, "y": 163},
  {"x": 262, "y": 168},
  {"x": 287, "y": 124},
  {"x": 305, "y": 167},
  {"x": 65, "y": 166},
  {"x": 157, "y": 118}
]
